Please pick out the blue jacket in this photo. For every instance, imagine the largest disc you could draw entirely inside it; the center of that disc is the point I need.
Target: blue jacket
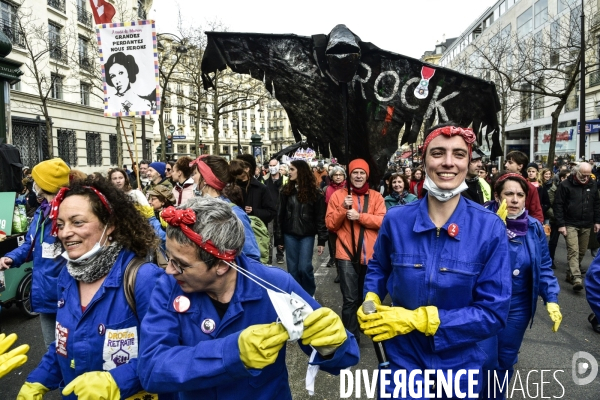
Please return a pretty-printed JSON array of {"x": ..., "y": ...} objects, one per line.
[
  {"x": 46, "y": 264},
  {"x": 250, "y": 248},
  {"x": 104, "y": 337},
  {"x": 544, "y": 281},
  {"x": 592, "y": 286},
  {"x": 176, "y": 356},
  {"x": 467, "y": 277}
]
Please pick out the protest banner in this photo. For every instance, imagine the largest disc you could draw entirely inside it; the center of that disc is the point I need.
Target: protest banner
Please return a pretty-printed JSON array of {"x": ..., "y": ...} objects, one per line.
[{"x": 129, "y": 61}]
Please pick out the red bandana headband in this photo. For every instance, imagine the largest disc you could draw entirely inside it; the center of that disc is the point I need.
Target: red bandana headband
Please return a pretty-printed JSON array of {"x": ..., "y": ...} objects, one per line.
[
  {"x": 466, "y": 133},
  {"x": 210, "y": 178},
  {"x": 510, "y": 175},
  {"x": 60, "y": 196},
  {"x": 183, "y": 218}
]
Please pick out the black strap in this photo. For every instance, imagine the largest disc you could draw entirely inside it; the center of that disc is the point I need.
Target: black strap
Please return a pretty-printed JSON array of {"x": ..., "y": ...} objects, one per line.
[{"x": 355, "y": 258}]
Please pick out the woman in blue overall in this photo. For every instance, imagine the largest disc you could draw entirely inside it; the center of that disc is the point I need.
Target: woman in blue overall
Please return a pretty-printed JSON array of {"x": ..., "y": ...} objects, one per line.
[
  {"x": 211, "y": 330},
  {"x": 97, "y": 328},
  {"x": 444, "y": 262},
  {"x": 41, "y": 247},
  {"x": 532, "y": 274}
]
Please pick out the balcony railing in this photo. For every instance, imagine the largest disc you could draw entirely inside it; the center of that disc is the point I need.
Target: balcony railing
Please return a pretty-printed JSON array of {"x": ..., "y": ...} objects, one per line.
[
  {"x": 12, "y": 31},
  {"x": 58, "y": 53},
  {"x": 57, "y": 4},
  {"x": 594, "y": 78},
  {"x": 84, "y": 16},
  {"x": 85, "y": 62}
]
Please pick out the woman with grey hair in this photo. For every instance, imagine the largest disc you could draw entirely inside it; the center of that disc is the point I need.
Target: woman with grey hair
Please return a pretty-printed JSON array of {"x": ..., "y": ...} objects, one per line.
[
  {"x": 337, "y": 182},
  {"x": 239, "y": 350}
]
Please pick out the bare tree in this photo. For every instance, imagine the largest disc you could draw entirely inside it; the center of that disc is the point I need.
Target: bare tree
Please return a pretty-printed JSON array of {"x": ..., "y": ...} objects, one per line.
[
  {"x": 46, "y": 46},
  {"x": 536, "y": 71}
]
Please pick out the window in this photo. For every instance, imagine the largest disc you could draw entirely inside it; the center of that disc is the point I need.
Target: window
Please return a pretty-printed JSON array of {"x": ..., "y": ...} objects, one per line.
[
  {"x": 112, "y": 145},
  {"x": 54, "y": 42},
  {"x": 541, "y": 12},
  {"x": 502, "y": 8},
  {"x": 56, "y": 91},
  {"x": 167, "y": 117},
  {"x": 538, "y": 42},
  {"x": 84, "y": 60},
  {"x": 93, "y": 148},
  {"x": 524, "y": 25},
  {"x": 16, "y": 86},
  {"x": 574, "y": 27},
  {"x": 57, "y": 4},
  {"x": 83, "y": 15},
  {"x": 180, "y": 119},
  {"x": 10, "y": 26},
  {"x": 182, "y": 148},
  {"x": 67, "y": 146},
  {"x": 564, "y": 4},
  {"x": 192, "y": 120},
  {"x": 554, "y": 42},
  {"x": 84, "y": 91},
  {"x": 538, "y": 102}
]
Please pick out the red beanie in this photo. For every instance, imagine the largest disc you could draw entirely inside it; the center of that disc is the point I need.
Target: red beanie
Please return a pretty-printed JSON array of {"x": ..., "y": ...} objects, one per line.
[{"x": 361, "y": 164}]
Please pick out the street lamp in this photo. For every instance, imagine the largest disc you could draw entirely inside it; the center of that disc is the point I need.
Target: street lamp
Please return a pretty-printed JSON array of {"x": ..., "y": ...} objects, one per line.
[{"x": 235, "y": 121}]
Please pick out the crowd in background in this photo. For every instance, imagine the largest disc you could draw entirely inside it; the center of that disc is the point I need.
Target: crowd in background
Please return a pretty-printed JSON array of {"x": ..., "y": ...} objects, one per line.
[{"x": 109, "y": 222}]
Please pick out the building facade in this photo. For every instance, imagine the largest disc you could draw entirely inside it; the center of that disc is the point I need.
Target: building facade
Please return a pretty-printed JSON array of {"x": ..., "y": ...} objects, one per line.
[
  {"x": 54, "y": 40},
  {"x": 536, "y": 23}
]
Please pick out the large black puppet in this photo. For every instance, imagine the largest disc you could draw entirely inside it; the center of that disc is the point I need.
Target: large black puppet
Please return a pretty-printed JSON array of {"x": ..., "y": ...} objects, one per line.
[{"x": 386, "y": 92}]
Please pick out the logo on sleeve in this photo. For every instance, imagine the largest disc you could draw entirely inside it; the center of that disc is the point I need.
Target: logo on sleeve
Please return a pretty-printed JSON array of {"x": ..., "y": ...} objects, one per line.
[{"x": 120, "y": 346}]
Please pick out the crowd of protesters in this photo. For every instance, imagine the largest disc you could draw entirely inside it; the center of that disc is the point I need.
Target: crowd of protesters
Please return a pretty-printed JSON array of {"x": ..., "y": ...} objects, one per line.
[{"x": 97, "y": 243}]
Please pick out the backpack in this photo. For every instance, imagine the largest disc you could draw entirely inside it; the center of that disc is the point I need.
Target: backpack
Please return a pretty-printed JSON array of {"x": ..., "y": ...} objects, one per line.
[
  {"x": 263, "y": 239},
  {"x": 261, "y": 234}
]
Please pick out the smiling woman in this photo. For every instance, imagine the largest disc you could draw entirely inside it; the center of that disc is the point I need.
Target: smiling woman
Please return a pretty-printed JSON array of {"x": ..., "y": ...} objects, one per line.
[
  {"x": 102, "y": 234},
  {"x": 447, "y": 294}
]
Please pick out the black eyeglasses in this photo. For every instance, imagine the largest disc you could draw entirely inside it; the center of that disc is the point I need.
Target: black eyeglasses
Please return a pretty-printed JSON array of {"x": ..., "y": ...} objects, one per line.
[{"x": 178, "y": 268}]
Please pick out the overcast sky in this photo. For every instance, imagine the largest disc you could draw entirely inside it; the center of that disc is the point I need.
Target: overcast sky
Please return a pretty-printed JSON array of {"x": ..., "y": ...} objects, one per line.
[{"x": 408, "y": 27}]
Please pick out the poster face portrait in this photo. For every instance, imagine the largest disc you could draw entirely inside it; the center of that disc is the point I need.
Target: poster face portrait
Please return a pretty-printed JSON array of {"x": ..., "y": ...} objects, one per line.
[{"x": 129, "y": 62}]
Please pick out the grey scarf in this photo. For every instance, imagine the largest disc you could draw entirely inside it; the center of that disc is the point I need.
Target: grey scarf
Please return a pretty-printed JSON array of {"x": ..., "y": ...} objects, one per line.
[{"x": 96, "y": 267}]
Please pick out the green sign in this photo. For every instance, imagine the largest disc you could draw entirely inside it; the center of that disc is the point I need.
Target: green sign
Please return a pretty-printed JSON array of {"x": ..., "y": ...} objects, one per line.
[{"x": 7, "y": 208}]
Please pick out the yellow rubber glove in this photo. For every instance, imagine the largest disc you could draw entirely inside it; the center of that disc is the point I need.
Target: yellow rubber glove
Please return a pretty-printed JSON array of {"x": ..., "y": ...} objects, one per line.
[
  {"x": 372, "y": 297},
  {"x": 146, "y": 211},
  {"x": 389, "y": 322},
  {"x": 324, "y": 330},
  {"x": 98, "y": 385},
  {"x": 32, "y": 391},
  {"x": 555, "y": 315},
  {"x": 14, "y": 358},
  {"x": 502, "y": 211},
  {"x": 260, "y": 344}
]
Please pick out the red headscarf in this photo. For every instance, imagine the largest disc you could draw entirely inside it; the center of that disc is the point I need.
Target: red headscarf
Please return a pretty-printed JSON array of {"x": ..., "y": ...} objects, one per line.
[
  {"x": 466, "y": 133},
  {"x": 210, "y": 178},
  {"x": 183, "y": 218}
]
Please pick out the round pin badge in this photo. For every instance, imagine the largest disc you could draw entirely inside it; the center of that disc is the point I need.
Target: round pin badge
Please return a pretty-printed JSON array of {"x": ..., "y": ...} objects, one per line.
[
  {"x": 181, "y": 304},
  {"x": 101, "y": 329},
  {"x": 516, "y": 272},
  {"x": 208, "y": 326},
  {"x": 453, "y": 230},
  {"x": 60, "y": 303}
]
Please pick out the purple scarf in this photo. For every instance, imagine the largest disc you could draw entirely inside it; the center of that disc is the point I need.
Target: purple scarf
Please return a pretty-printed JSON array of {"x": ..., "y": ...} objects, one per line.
[
  {"x": 45, "y": 206},
  {"x": 518, "y": 226}
]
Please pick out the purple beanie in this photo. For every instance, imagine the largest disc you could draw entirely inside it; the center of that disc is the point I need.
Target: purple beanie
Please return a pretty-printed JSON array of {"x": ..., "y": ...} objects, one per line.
[{"x": 159, "y": 167}]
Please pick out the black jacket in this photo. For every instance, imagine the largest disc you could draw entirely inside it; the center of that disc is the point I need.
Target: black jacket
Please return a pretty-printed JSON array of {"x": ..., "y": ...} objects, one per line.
[
  {"x": 576, "y": 205},
  {"x": 256, "y": 195},
  {"x": 473, "y": 192},
  {"x": 301, "y": 219},
  {"x": 273, "y": 186}
]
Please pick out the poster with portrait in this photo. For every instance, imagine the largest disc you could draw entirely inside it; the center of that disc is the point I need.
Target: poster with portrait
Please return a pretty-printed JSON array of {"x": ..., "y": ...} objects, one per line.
[{"x": 129, "y": 61}]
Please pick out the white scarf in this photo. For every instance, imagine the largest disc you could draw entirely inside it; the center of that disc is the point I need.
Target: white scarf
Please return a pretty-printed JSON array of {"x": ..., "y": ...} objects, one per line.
[{"x": 440, "y": 194}]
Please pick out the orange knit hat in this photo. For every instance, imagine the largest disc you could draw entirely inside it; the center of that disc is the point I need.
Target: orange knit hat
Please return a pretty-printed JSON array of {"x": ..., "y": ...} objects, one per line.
[{"x": 359, "y": 163}]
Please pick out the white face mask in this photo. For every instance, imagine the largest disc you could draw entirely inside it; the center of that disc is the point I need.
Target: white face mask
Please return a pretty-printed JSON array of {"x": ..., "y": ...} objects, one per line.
[
  {"x": 92, "y": 252},
  {"x": 274, "y": 170}
]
